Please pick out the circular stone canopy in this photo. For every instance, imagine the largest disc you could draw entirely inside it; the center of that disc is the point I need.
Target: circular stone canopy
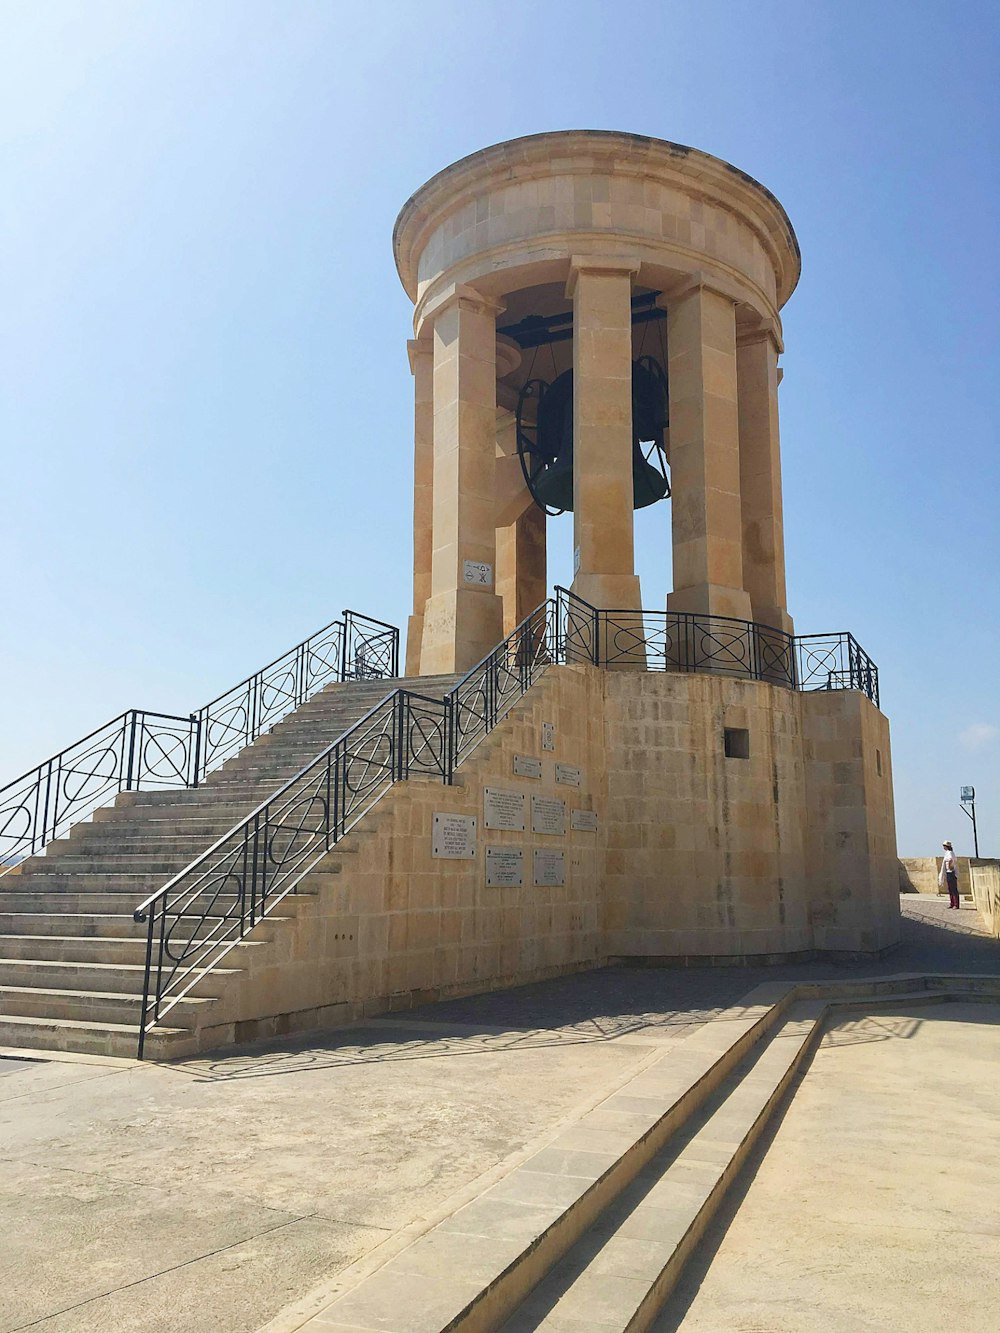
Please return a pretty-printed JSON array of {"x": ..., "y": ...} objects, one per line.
[{"x": 662, "y": 194}]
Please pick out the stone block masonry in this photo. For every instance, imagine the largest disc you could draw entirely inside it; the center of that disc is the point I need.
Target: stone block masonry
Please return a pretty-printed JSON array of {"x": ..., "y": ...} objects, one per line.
[{"x": 786, "y": 851}]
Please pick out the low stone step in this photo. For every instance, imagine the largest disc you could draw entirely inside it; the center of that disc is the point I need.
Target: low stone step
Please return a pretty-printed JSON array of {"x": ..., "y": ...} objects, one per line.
[
  {"x": 137, "y": 840},
  {"x": 85, "y": 1006},
  {"x": 91, "y": 900},
  {"x": 66, "y": 1034},
  {"x": 153, "y": 861},
  {"x": 474, "y": 1268},
  {"x": 94, "y": 925},
  {"x": 620, "y": 1272},
  {"x": 113, "y": 978},
  {"x": 113, "y": 949}
]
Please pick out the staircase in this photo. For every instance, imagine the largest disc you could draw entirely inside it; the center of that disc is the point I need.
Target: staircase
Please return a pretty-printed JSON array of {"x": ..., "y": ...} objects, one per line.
[{"x": 72, "y": 958}]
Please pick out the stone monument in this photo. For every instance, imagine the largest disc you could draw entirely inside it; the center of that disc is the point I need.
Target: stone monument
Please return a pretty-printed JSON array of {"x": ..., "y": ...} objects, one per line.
[{"x": 577, "y": 251}]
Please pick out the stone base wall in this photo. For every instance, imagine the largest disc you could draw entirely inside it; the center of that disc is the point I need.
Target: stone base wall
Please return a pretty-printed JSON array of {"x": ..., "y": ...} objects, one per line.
[
  {"x": 919, "y": 874},
  {"x": 985, "y": 877},
  {"x": 697, "y": 856},
  {"x": 786, "y": 851}
]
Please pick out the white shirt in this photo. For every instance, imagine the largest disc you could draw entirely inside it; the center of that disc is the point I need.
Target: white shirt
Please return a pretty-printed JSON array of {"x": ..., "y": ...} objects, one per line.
[{"x": 948, "y": 863}]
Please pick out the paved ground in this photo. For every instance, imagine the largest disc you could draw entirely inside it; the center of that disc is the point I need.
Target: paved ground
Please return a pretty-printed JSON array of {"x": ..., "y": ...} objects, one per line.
[
  {"x": 207, "y": 1196},
  {"x": 876, "y": 1206}
]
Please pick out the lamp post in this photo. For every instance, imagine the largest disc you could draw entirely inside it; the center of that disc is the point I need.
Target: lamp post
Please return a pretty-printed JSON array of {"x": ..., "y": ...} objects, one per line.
[{"x": 968, "y": 799}]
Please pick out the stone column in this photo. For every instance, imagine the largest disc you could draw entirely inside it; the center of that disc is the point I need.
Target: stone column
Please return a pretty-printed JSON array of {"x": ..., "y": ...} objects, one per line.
[
  {"x": 760, "y": 476},
  {"x": 421, "y": 353},
  {"x": 463, "y": 617},
  {"x": 707, "y": 521},
  {"x": 602, "y": 432},
  {"x": 521, "y": 567}
]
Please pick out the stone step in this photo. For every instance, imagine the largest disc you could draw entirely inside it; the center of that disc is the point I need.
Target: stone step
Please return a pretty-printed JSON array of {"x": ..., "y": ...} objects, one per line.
[
  {"x": 619, "y": 1273},
  {"x": 88, "y": 1038},
  {"x": 113, "y": 949},
  {"x": 88, "y": 897},
  {"x": 94, "y": 925},
  {"x": 519, "y": 1228},
  {"x": 86, "y": 1006},
  {"x": 115, "y": 978},
  {"x": 161, "y": 864}
]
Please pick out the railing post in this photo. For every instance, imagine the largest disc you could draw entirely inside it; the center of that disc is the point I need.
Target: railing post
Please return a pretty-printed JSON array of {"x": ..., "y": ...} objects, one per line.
[
  {"x": 330, "y": 815},
  {"x": 45, "y": 809},
  {"x": 144, "y": 1006},
  {"x": 130, "y": 762},
  {"x": 398, "y": 767},
  {"x": 343, "y": 645},
  {"x": 395, "y": 653},
  {"x": 258, "y": 857},
  {"x": 196, "y": 741},
  {"x": 300, "y": 675},
  {"x": 253, "y": 707},
  {"x": 449, "y": 738}
]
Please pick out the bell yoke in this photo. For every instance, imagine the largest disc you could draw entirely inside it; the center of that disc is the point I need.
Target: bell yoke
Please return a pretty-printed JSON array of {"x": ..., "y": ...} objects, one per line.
[{"x": 596, "y": 328}]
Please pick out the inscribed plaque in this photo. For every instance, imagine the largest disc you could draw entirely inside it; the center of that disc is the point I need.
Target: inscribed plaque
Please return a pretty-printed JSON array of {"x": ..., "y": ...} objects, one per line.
[
  {"x": 549, "y": 867},
  {"x": 504, "y": 867},
  {"x": 454, "y": 837},
  {"x": 527, "y": 766},
  {"x": 503, "y": 809},
  {"x": 583, "y": 819},
  {"x": 479, "y": 573},
  {"x": 548, "y": 735},
  {"x": 548, "y": 815},
  {"x": 567, "y": 775}
]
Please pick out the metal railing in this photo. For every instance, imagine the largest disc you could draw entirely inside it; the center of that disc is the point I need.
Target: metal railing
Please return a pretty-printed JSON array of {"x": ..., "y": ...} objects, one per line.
[
  {"x": 720, "y": 645},
  {"x": 207, "y": 909},
  {"x": 143, "y": 749},
  {"x": 201, "y": 914}
]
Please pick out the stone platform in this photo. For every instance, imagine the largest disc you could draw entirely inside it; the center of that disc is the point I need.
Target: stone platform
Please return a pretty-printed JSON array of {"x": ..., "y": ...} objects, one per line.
[{"x": 213, "y": 1194}]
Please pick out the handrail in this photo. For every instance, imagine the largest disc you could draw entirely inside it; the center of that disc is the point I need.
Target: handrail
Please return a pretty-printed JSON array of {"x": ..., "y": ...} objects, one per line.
[
  {"x": 143, "y": 748},
  {"x": 203, "y": 912}
]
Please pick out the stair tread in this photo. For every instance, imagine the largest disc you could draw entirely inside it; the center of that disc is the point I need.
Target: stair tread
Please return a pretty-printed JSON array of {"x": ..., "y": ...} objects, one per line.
[
  {"x": 660, "y": 1207},
  {"x": 92, "y": 1025},
  {"x": 116, "y": 968},
  {"x": 126, "y": 997}
]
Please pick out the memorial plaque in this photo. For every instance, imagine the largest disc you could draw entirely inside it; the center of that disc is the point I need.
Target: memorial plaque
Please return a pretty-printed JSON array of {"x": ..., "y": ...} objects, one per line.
[
  {"x": 548, "y": 735},
  {"x": 567, "y": 775},
  {"x": 504, "y": 867},
  {"x": 479, "y": 573},
  {"x": 527, "y": 766},
  {"x": 548, "y": 815},
  {"x": 504, "y": 809},
  {"x": 454, "y": 837},
  {"x": 584, "y": 820},
  {"x": 549, "y": 867}
]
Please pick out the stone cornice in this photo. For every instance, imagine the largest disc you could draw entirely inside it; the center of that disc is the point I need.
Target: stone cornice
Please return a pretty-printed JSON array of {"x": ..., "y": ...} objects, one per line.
[{"x": 699, "y": 174}]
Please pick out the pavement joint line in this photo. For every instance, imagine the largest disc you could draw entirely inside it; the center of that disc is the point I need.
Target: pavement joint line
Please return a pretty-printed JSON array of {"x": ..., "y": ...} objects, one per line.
[
  {"x": 35, "y": 1092},
  {"x": 151, "y": 1277}
]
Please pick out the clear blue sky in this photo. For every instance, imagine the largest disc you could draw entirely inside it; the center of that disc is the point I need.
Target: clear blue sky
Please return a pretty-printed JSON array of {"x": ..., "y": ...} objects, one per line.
[{"x": 206, "y": 406}]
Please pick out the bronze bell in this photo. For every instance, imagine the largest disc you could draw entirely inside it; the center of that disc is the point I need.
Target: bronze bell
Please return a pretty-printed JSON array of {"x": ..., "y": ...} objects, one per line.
[{"x": 547, "y": 448}]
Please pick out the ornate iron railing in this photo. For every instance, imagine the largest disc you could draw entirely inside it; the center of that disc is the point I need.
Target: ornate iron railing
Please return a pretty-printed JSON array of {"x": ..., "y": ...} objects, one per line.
[
  {"x": 355, "y": 648},
  {"x": 834, "y": 662},
  {"x": 195, "y": 920},
  {"x": 720, "y": 645},
  {"x": 147, "y": 749}
]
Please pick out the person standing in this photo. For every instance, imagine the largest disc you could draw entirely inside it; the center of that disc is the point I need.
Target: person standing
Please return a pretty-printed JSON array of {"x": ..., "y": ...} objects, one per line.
[{"x": 949, "y": 874}]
